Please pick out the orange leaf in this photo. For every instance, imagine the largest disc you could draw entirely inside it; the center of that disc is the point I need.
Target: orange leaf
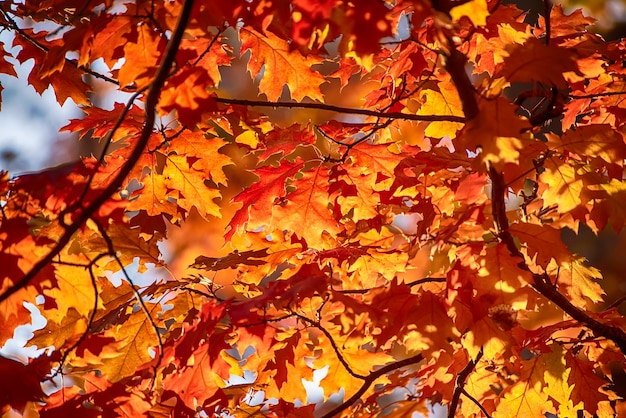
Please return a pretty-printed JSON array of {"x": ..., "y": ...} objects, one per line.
[{"x": 281, "y": 66}]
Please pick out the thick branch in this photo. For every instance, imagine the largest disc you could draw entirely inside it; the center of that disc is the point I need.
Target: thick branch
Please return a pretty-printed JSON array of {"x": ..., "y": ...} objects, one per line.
[
  {"x": 346, "y": 110},
  {"x": 455, "y": 65},
  {"x": 150, "y": 107}
]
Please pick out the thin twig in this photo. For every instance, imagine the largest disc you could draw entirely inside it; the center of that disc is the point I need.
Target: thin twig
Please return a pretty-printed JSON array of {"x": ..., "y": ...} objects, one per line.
[
  {"x": 14, "y": 26},
  {"x": 547, "y": 8},
  {"x": 616, "y": 303},
  {"x": 144, "y": 308},
  {"x": 370, "y": 379},
  {"x": 410, "y": 284},
  {"x": 478, "y": 404},
  {"x": 342, "y": 360},
  {"x": 460, "y": 382},
  {"x": 92, "y": 316}
]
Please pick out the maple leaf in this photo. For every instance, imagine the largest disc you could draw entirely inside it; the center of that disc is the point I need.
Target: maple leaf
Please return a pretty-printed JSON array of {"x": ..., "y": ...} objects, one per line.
[
  {"x": 281, "y": 66},
  {"x": 591, "y": 141},
  {"x": 476, "y": 10},
  {"x": 497, "y": 133},
  {"x": 98, "y": 122},
  {"x": 380, "y": 252},
  {"x": 579, "y": 280},
  {"x": 442, "y": 99},
  {"x": 564, "y": 186},
  {"x": 527, "y": 397},
  {"x": 589, "y": 388},
  {"x": 540, "y": 238},
  {"x": 188, "y": 184},
  {"x": 142, "y": 53},
  {"x": 305, "y": 210},
  {"x": 187, "y": 93},
  {"x": 528, "y": 63},
  {"x": 259, "y": 199}
]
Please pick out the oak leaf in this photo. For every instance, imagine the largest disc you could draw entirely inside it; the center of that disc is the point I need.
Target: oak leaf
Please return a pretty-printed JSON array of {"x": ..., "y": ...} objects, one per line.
[{"x": 279, "y": 62}]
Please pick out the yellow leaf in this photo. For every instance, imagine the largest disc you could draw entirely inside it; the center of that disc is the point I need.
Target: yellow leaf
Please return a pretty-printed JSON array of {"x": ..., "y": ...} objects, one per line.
[
  {"x": 135, "y": 337},
  {"x": 579, "y": 281},
  {"x": 526, "y": 397},
  {"x": 248, "y": 138},
  {"x": 71, "y": 327},
  {"x": 441, "y": 100},
  {"x": 476, "y": 10},
  {"x": 563, "y": 188},
  {"x": 189, "y": 186}
]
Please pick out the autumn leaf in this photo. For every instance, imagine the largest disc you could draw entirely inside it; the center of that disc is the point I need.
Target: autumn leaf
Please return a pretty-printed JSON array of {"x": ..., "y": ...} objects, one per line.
[
  {"x": 497, "y": 134},
  {"x": 290, "y": 198},
  {"x": 526, "y": 397},
  {"x": 142, "y": 51},
  {"x": 280, "y": 63},
  {"x": 564, "y": 189},
  {"x": 528, "y": 63}
]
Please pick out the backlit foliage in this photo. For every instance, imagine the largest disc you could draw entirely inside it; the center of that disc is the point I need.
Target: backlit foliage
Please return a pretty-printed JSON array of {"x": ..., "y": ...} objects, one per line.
[{"x": 374, "y": 190}]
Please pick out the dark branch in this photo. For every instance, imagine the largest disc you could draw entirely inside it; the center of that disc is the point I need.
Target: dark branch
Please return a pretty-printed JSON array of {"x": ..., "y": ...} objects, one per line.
[
  {"x": 478, "y": 404},
  {"x": 455, "y": 65},
  {"x": 410, "y": 284},
  {"x": 460, "y": 383},
  {"x": 346, "y": 110},
  {"x": 340, "y": 357},
  {"x": 150, "y": 107},
  {"x": 370, "y": 379}
]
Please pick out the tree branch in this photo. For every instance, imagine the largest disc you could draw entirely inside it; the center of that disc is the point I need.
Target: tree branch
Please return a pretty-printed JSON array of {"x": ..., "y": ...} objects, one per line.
[
  {"x": 370, "y": 379},
  {"x": 150, "y": 107},
  {"x": 455, "y": 65},
  {"x": 340, "y": 356},
  {"x": 92, "y": 315},
  {"x": 471, "y": 398},
  {"x": 460, "y": 383},
  {"x": 144, "y": 308},
  {"x": 345, "y": 110},
  {"x": 14, "y": 26}
]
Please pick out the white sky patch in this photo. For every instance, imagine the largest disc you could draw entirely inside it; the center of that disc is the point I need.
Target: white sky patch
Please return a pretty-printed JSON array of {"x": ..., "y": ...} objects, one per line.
[{"x": 30, "y": 122}]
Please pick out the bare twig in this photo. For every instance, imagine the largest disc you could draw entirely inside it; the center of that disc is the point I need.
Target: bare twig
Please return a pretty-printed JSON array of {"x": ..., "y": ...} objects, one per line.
[
  {"x": 616, "y": 303},
  {"x": 14, "y": 26},
  {"x": 478, "y": 404},
  {"x": 410, "y": 284},
  {"x": 547, "y": 8},
  {"x": 92, "y": 315}
]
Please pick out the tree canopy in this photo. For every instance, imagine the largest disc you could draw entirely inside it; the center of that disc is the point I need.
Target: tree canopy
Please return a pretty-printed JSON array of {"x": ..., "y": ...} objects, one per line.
[{"x": 365, "y": 195}]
